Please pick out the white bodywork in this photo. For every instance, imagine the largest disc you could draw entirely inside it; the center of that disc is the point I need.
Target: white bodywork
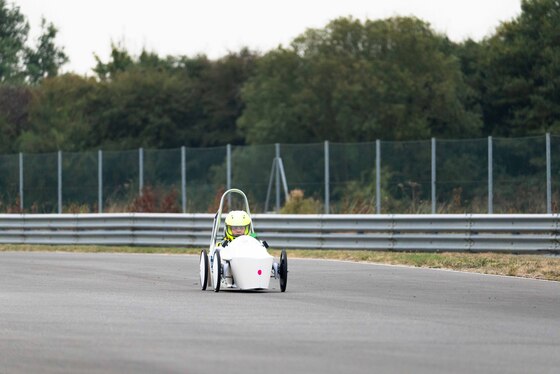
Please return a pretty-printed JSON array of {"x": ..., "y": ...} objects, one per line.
[{"x": 248, "y": 262}]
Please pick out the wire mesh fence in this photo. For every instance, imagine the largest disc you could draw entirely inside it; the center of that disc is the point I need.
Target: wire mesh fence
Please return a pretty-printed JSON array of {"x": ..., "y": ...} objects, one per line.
[{"x": 489, "y": 175}]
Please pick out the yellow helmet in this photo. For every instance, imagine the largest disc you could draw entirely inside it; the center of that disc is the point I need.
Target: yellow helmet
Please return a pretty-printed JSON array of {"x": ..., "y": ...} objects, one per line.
[{"x": 237, "y": 218}]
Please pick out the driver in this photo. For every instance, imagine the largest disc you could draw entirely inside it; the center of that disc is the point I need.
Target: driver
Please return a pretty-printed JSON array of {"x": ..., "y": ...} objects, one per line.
[{"x": 237, "y": 223}]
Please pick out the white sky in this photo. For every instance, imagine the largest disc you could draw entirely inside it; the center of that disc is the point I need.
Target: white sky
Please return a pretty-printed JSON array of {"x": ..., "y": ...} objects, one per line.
[{"x": 214, "y": 27}]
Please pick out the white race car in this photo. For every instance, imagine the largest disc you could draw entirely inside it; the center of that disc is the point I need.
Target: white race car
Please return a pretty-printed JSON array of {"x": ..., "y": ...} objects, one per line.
[{"x": 244, "y": 263}]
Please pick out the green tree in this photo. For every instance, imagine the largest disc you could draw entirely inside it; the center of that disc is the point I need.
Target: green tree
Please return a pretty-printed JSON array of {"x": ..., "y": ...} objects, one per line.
[
  {"x": 60, "y": 115},
  {"x": 13, "y": 36},
  {"x": 15, "y": 104},
  {"x": 46, "y": 60},
  {"x": 140, "y": 108},
  {"x": 20, "y": 65},
  {"x": 521, "y": 94},
  {"x": 120, "y": 61},
  {"x": 20, "y": 62},
  {"x": 471, "y": 56},
  {"x": 353, "y": 81},
  {"x": 169, "y": 102},
  {"x": 219, "y": 96}
]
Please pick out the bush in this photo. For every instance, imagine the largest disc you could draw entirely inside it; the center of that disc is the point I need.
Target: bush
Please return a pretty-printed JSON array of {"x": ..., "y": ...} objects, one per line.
[
  {"x": 297, "y": 204},
  {"x": 152, "y": 201}
]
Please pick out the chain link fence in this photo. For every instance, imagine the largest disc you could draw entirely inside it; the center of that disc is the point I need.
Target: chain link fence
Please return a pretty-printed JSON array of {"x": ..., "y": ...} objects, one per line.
[{"x": 488, "y": 175}]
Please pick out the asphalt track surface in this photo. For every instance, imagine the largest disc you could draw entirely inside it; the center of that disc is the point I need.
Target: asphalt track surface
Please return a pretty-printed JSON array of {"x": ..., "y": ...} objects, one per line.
[{"x": 126, "y": 313}]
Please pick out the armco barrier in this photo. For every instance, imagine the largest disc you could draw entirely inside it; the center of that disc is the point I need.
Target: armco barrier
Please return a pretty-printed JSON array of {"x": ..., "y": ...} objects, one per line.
[{"x": 456, "y": 232}]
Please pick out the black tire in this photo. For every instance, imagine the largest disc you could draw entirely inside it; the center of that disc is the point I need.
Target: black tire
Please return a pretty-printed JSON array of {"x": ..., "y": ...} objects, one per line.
[
  {"x": 217, "y": 271},
  {"x": 203, "y": 270},
  {"x": 283, "y": 270}
]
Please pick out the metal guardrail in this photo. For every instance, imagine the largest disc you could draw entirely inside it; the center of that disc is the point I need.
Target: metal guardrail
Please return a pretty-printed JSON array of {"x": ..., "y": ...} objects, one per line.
[{"x": 471, "y": 232}]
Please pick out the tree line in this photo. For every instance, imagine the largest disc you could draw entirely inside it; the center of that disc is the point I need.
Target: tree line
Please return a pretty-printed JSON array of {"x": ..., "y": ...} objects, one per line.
[{"x": 351, "y": 81}]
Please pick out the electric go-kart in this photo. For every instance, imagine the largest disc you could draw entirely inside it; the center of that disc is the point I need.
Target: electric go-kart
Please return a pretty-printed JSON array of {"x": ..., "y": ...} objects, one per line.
[{"x": 244, "y": 263}]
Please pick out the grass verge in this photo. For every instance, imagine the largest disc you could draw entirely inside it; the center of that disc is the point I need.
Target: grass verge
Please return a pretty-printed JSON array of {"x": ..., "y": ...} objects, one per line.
[{"x": 528, "y": 266}]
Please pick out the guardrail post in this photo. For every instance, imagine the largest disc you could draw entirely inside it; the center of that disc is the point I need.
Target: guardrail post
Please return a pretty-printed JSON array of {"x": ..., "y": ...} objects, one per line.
[
  {"x": 548, "y": 176},
  {"x": 378, "y": 176},
  {"x": 100, "y": 181},
  {"x": 184, "y": 179},
  {"x": 59, "y": 182},
  {"x": 327, "y": 178},
  {"x": 490, "y": 177},
  {"x": 21, "y": 181},
  {"x": 433, "y": 175},
  {"x": 140, "y": 170}
]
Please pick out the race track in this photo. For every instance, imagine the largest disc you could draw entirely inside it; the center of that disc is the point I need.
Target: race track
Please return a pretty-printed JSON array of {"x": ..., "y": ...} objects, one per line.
[{"x": 127, "y": 313}]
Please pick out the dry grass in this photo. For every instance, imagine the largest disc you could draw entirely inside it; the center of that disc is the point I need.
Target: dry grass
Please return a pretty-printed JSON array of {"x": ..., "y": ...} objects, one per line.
[{"x": 529, "y": 266}]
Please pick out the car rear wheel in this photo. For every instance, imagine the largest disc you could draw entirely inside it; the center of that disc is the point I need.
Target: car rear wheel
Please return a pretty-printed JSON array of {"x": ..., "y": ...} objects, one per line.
[{"x": 283, "y": 270}]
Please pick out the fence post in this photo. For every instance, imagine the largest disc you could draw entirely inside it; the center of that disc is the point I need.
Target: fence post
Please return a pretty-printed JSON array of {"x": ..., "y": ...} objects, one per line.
[
  {"x": 59, "y": 182},
  {"x": 277, "y": 148},
  {"x": 100, "y": 181},
  {"x": 433, "y": 175},
  {"x": 228, "y": 173},
  {"x": 21, "y": 181},
  {"x": 548, "y": 176},
  {"x": 184, "y": 179},
  {"x": 378, "y": 176},
  {"x": 140, "y": 170},
  {"x": 327, "y": 178},
  {"x": 490, "y": 177}
]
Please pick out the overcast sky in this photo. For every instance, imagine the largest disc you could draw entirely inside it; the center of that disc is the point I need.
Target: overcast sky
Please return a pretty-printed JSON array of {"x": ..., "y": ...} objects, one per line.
[{"x": 214, "y": 27}]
